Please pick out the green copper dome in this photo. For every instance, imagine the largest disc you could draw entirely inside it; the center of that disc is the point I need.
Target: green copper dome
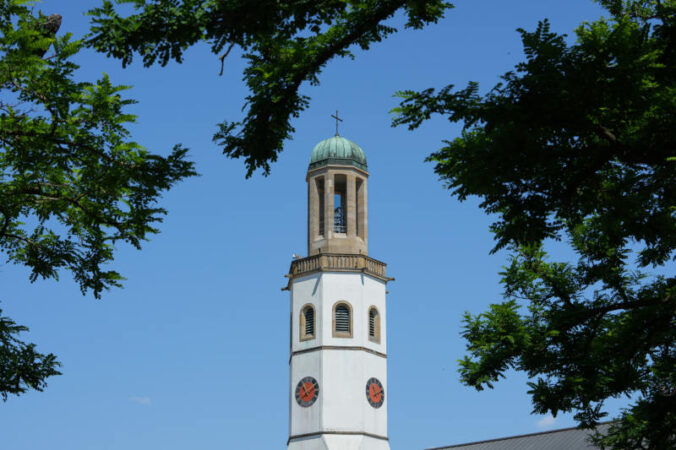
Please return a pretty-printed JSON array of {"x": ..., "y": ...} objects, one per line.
[{"x": 337, "y": 150}]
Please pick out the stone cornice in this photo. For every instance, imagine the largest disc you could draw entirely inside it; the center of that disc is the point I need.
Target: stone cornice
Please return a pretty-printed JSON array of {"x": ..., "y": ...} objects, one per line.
[
  {"x": 339, "y": 167},
  {"x": 337, "y": 262}
]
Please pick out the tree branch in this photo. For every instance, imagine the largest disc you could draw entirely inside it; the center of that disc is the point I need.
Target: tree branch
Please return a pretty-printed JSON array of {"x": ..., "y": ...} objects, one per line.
[
  {"x": 5, "y": 224},
  {"x": 347, "y": 40},
  {"x": 92, "y": 215},
  {"x": 624, "y": 306}
]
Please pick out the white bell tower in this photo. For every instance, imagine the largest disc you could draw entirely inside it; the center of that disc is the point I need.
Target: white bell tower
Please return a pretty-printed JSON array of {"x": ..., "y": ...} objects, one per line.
[{"x": 338, "y": 362}]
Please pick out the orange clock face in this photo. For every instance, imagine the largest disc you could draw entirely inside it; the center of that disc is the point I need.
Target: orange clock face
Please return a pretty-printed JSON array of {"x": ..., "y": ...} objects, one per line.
[
  {"x": 375, "y": 393},
  {"x": 307, "y": 391}
]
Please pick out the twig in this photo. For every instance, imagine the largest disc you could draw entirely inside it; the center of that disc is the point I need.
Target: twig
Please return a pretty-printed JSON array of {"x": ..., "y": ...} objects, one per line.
[
  {"x": 5, "y": 225},
  {"x": 223, "y": 56}
]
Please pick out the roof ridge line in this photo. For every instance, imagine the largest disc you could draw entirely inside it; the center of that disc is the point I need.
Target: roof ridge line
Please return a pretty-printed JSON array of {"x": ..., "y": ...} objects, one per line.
[{"x": 516, "y": 436}]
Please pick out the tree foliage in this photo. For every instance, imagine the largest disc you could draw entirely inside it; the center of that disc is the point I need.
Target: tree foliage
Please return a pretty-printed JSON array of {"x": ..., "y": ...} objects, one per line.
[
  {"x": 285, "y": 43},
  {"x": 577, "y": 144},
  {"x": 72, "y": 183},
  {"x": 21, "y": 366}
]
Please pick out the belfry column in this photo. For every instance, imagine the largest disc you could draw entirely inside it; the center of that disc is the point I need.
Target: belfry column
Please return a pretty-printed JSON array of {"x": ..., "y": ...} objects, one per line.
[
  {"x": 328, "y": 202},
  {"x": 351, "y": 206},
  {"x": 338, "y": 361}
]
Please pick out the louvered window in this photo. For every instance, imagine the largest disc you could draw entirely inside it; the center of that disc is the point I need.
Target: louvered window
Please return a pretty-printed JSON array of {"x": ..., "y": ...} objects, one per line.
[
  {"x": 307, "y": 323},
  {"x": 374, "y": 325},
  {"x": 342, "y": 320}
]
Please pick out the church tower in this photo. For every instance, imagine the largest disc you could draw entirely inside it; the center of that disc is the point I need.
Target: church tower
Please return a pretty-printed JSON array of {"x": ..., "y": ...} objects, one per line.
[{"x": 338, "y": 362}]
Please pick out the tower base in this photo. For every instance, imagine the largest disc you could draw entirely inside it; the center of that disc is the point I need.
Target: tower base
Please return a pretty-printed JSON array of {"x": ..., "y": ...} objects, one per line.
[{"x": 338, "y": 442}]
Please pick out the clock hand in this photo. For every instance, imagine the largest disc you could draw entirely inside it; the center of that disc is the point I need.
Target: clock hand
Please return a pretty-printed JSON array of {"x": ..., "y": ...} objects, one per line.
[{"x": 304, "y": 390}]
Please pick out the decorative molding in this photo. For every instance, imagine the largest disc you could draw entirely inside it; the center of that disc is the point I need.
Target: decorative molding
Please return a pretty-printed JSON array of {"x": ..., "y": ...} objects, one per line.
[
  {"x": 344, "y": 433},
  {"x": 336, "y": 347}
]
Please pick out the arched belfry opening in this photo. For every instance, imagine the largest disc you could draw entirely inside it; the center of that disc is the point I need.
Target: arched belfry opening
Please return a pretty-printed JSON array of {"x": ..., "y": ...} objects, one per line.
[
  {"x": 337, "y": 202},
  {"x": 340, "y": 204}
]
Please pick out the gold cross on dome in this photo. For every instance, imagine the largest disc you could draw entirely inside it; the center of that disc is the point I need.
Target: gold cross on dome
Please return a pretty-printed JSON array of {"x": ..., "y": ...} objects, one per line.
[{"x": 337, "y": 119}]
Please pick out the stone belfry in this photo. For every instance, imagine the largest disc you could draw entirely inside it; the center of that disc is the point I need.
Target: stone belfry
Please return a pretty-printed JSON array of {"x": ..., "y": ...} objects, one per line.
[{"x": 338, "y": 363}]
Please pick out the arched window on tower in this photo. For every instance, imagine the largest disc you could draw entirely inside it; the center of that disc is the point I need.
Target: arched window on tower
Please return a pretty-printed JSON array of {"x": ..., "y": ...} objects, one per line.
[
  {"x": 374, "y": 324},
  {"x": 342, "y": 320},
  {"x": 307, "y": 323}
]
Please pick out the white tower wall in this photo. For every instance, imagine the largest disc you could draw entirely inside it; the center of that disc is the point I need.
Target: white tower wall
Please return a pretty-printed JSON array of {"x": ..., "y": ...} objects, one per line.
[{"x": 342, "y": 417}]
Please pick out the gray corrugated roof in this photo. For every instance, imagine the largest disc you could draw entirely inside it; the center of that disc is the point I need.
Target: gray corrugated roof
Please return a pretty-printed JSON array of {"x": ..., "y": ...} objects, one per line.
[{"x": 565, "y": 439}]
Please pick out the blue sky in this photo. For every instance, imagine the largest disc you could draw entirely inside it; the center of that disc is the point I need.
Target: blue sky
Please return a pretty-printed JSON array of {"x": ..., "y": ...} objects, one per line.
[{"x": 193, "y": 351}]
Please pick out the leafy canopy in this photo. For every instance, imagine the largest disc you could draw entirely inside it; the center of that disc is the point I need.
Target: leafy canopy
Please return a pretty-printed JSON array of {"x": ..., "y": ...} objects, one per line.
[
  {"x": 577, "y": 144},
  {"x": 285, "y": 43},
  {"x": 72, "y": 183}
]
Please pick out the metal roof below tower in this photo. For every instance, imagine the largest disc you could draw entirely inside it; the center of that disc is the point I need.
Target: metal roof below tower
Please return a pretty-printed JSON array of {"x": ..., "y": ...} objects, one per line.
[{"x": 564, "y": 439}]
